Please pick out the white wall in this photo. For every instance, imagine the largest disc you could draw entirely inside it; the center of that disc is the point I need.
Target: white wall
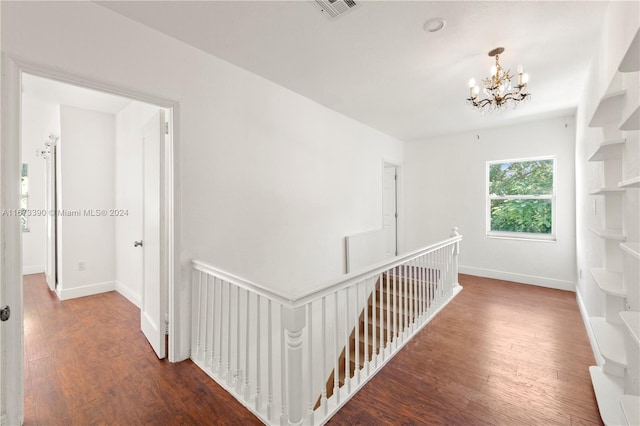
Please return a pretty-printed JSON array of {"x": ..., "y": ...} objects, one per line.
[
  {"x": 39, "y": 119},
  {"x": 621, "y": 23},
  {"x": 86, "y": 258},
  {"x": 128, "y": 196},
  {"x": 445, "y": 186},
  {"x": 269, "y": 182}
]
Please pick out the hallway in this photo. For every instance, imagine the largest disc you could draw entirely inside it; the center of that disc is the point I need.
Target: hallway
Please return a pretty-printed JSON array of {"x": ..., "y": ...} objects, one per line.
[
  {"x": 87, "y": 362},
  {"x": 499, "y": 353}
]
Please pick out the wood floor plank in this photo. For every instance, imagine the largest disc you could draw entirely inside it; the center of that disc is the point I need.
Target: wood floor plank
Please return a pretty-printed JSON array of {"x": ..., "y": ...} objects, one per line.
[
  {"x": 87, "y": 363},
  {"x": 499, "y": 354}
]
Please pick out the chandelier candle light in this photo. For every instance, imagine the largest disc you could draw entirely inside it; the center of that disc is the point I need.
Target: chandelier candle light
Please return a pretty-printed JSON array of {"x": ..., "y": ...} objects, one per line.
[{"x": 498, "y": 88}]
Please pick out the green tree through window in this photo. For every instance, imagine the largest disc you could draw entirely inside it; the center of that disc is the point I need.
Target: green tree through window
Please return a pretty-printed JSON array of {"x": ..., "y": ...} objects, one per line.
[{"x": 521, "y": 196}]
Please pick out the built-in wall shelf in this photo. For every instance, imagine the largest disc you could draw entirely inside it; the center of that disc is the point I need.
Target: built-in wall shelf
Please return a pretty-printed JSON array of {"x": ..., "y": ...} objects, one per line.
[
  {"x": 631, "y": 248},
  {"x": 609, "y": 234},
  {"x": 609, "y": 109},
  {"x": 605, "y": 191},
  {"x": 609, "y": 390},
  {"x": 610, "y": 339},
  {"x": 608, "y": 150},
  {"x": 609, "y": 282},
  {"x": 631, "y": 320},
  {"x": 630, "y": 405},
  {"x": 632, "y": 122},
  {"x": 631, "y": 60},
  {"x": 633, "y": 182}
]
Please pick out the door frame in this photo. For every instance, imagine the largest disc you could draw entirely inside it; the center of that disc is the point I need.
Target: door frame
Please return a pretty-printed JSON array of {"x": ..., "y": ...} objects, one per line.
[
  {"x": 12, "y": 406},
  {"x": 399, "y": 201}
]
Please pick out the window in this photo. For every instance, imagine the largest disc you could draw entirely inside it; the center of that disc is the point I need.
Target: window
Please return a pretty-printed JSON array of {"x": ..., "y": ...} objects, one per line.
[{"x": 521, "y": 198}]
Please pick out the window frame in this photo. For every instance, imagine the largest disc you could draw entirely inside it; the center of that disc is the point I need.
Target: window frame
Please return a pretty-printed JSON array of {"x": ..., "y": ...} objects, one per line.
[{"x": 529, "y": 236}]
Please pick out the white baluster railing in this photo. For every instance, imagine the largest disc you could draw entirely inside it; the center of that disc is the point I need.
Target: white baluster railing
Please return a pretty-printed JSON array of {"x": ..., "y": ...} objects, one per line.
[{"x": 298, "y": 360}]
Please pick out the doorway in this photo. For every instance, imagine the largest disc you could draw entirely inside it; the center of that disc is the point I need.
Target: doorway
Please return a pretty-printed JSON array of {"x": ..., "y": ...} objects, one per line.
[
  {"x": 12, "y": 330},
  {"x": 390, "y": 209}
]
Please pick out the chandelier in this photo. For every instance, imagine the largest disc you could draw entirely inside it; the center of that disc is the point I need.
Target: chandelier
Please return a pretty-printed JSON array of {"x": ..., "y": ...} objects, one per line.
[{"x": 498, "y": 88}]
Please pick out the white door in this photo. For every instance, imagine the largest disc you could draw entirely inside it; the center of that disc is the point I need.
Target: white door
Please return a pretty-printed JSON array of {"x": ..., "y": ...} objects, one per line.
[
  {"x": 389, "y": 211},
  {"x": 154, "y": 289},
  {"x": 50, "y": 200}
]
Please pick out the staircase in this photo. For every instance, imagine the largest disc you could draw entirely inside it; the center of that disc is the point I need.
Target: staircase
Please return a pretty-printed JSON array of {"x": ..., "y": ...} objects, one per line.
[
  {"x": 384, "y": 320},
  {"x": 274, "y": 351}
]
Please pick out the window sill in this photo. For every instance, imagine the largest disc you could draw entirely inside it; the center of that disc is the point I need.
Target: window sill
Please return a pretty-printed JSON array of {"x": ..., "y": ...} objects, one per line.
[{"x": 543, "y": 238}]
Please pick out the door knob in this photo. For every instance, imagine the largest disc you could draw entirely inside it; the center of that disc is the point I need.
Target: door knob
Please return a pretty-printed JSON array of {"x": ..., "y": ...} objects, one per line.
[{"x": 137, "y": 243}]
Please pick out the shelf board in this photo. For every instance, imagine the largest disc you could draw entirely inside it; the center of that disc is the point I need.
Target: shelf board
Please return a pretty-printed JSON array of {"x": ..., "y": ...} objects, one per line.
[
  {"x": 632, "y": 122},
  {"x": 630, "y": 405},
  {"x": 608, "y": 150},
  {"x": 609, "y": 282},
  {"x": 608, "y": 390},
  {"x": 609, "y": 109},
  {"x": 633, "y": 182},
  {"x": 631, "y": 60},
  {"x": 610, "y": 339},
  {"x": 609, "y": 234},
  {"x": 631, "y": 248},
  {"x": 631, "y": 319},
  {"x": 605, "y": 191}
]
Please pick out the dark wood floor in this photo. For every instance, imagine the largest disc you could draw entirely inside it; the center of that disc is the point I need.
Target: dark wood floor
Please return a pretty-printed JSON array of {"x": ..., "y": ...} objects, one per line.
[
  {"x": 86, "y": 362},
  {"x": 500, "y": 353}
]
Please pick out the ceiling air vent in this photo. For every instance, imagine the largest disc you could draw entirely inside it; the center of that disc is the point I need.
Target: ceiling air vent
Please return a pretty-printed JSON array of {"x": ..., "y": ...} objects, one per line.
[{"x": 334, "y": 8}]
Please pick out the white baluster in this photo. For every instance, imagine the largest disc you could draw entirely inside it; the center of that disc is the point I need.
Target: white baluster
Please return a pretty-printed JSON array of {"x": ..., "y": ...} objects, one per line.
[
  {"x": 356, "y": 341},
  {"x": 283, "y": 370},
  {"x": 220, "y": 289},
  {"x": 269, "y": 362},
  {"x": 347, "y": 366},
  {"x": 403, "y": 300},
  {"x": 212, "y": 333},
  {"x": 310, "y": 361},
  {"x": 374, "y": 330},
  {"x": 258, "y": 399},
  {"x": 325, "y": 346},
  {"x": 245, "y": 386},
  {"x": 396, "y": 309},
  {"x": 199, "y": 315},
  {"x": 336, "y": 353},
  {"x": 238, "y": 377},
  {"x": 389, "y": 311},
  {"x": 228, "y": 304},
  {"x": 205, "y": 322}
]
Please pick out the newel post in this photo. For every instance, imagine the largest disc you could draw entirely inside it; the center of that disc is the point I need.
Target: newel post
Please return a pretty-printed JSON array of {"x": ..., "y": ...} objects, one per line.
[
  {"x": 456, "y": 252},
  {"x": 293, "y": 321}
]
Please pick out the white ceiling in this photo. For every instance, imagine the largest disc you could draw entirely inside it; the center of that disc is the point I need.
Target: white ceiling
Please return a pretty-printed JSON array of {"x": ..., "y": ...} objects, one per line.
[{"x": 377, "y": 65}]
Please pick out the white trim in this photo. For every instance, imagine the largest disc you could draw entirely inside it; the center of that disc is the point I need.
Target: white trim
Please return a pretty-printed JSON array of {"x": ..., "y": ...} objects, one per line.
[
  {"x": 553, "y": 197},
  {"x": 12, "y": 373},
  {"x": 179, "y": 347},
  {"x": 587, "y": 325},
  {"x": 129, "y": 294},
  {"x": 86, "y": 290},
  {"x": 37, "y": 269},
  {"x": 11, "y": 242},
  {"x": 519, "y": 278}
]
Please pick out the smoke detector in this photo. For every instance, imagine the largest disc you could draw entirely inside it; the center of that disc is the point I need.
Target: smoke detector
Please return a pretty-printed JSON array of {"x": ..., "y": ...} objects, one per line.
[{"x": 335, "y": 8}]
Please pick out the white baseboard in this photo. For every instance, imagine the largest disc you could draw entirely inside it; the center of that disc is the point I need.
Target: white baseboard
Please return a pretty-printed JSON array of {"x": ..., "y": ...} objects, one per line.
[
  {"x": 587, "y": 324},
  {"x": 87, "y": 290},
  {"x": 131, "y": 295},
  {"x": 36, "y": 269},
  {"x": 519, "y": 278}
]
